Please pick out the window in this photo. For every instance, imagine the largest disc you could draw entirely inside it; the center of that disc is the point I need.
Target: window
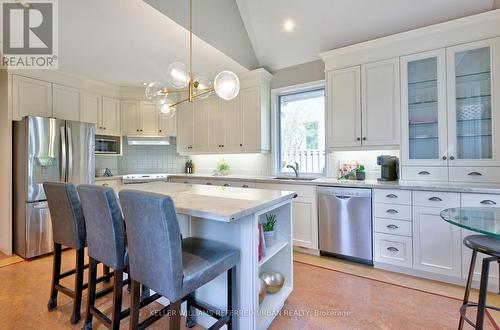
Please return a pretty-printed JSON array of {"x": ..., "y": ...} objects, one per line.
[{"x": 301, "y": 127}]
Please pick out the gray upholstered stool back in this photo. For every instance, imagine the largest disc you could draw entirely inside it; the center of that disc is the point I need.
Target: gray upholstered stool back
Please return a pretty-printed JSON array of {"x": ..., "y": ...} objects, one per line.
[
  {"x": 154, "y": 242},
  {"x": 105, "y": 226},
  {"x": 68, "y": 223}
]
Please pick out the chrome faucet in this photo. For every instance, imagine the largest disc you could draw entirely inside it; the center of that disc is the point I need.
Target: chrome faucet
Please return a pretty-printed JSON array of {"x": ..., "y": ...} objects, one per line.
[{"x": 294, "y": 168}]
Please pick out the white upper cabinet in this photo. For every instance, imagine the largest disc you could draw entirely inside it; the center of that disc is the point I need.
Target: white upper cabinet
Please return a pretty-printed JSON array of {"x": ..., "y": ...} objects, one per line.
[
  {"x": 474, "y": 103},
  {"x": 167, "y": 124},
  {"x": 185, "y": 127},
  {"x": 130, "y": 117},
  {"x": 423, "y": 104},
  {"x": 380, "y": 105},
  {"x": 216, "y": 125},
  {"x": 232, "y": 124},
  {"x": 344, "y": 108},
  {"x": 363, "y": 107},
  {"x": 241, "y": 125},
  {"x": 66, "y": 102},
  {"x": 149, "y": 118},
  {"x": 31, "y": 97},
  {"x": 91, "y": 108},
  {"x": 110, "y": 119}
]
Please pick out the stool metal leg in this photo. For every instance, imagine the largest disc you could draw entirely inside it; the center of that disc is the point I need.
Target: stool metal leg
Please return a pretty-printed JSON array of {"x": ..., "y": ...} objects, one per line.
[
  {"x": 483, "y": 290},
  {"x": 77, "y": 301},
  {"x": 91, "y": 293},
  {"x": 468, "y": 285},
  {"x": 56, "y": 272}
]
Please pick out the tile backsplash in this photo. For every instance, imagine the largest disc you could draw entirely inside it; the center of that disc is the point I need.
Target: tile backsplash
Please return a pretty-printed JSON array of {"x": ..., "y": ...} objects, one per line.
[{"x": 144, "y": 159}]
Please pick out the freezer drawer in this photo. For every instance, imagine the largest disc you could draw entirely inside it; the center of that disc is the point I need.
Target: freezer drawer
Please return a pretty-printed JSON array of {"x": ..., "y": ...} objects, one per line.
[{"x": 36, "y": 239}]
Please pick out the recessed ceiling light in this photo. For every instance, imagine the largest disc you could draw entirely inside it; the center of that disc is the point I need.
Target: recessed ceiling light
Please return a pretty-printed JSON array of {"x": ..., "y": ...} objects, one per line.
[{"x": 288, "y": 25}]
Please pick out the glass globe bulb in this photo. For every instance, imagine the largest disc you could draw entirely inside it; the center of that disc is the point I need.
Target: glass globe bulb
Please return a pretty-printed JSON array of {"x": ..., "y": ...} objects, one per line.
[
  {"x": 155, "y": 91},
  {"x": 177, "y": 75},
  {"x": 165, "y": 106},
  {"x": 203, "y": 84},
  {"x": 227, "y": 85}
]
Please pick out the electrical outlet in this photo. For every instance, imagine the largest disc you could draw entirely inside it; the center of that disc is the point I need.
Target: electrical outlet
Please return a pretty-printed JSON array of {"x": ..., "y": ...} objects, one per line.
[{"x": 375, "y": 166}]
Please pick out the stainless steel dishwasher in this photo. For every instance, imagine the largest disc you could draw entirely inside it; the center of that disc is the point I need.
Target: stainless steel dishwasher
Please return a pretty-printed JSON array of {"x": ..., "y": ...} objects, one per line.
[{"x": 345, "y": 223}]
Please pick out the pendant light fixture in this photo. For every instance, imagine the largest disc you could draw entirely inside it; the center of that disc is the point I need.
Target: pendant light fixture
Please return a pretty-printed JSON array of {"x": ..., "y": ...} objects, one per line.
[{"x": 181, "y": 80}]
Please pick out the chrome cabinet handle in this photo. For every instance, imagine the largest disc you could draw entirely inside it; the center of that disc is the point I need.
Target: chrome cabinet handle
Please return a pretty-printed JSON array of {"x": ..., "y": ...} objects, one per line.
[
  {"x": 186, "y": 182},
  {"x": 423, "y": 173},
  {"x": 209, "y": 183},
  {"x": 105, "y": 184},
  {"x": 444, "y": 157},
  {"x": 391, "y": 196},
  {"x": 70, "y": 154},
  {"x": 393, "y": 211},
  {"x": 392, "y": 249},
  {"x": 474, "y": 174},
  {"x": 435, "y": 199},
  {"x": 392, "y": 226},
  {"x": 244, "y": 186},
  {"x": 452, "y": 158},
  {"x": 226, "y": 184},
  {"x": 488, "y": 202}
]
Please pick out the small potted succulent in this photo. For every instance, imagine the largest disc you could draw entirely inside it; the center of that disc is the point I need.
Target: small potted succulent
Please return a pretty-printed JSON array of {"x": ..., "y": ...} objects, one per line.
[
  {"x": 269, "y": 232},
  {"x": 360, "y": 172},
  {"x": 223, "y": 167}
]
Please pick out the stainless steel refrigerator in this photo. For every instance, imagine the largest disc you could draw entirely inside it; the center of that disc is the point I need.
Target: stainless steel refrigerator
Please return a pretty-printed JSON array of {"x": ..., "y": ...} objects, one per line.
[{"x": 45, "y": 149}]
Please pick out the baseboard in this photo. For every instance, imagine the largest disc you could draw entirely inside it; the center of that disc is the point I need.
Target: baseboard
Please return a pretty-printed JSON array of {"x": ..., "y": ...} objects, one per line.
[{"x": 300, "y": 249}]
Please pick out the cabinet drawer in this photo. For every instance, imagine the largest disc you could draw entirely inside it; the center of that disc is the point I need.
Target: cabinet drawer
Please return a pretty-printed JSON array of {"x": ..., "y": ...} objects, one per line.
[
  {"x": 479, "y": 200},
  {"x": 436, "y": 199},
  {"x": 393, "y": 249},
  {"x": 391, "y": 226},
  {"x": 393, "y": 211},
  {"x": 475, "y": 174},
  {"x": 395, "y": 196},
  {"x": 427, "y": 173}
]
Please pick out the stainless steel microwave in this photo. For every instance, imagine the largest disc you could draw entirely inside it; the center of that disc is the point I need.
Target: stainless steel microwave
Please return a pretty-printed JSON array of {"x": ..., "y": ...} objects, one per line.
[{"x": 108, "y": 145}]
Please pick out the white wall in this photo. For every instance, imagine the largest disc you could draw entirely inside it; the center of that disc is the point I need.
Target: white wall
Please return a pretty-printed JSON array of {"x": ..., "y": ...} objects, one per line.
[
  {"x": 366, "y": 157},
  {"x": 244, "y": 164},
  {"x": 298, "y": 74},
  {"x": 5, "y": 167}
]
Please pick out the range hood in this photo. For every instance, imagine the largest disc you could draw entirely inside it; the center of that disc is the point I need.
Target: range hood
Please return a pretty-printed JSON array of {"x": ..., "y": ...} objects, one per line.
[{"x": 145, "y": 140}]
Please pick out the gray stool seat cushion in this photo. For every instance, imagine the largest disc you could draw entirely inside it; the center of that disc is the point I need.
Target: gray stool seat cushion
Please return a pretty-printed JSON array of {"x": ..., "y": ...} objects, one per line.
[
  {"x": 203, "y": 260},
  {"x": 484, "y": 244}
]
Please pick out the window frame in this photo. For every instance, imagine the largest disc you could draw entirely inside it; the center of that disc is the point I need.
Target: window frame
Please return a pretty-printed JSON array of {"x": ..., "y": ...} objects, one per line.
[{"x": 275, "y": 124}]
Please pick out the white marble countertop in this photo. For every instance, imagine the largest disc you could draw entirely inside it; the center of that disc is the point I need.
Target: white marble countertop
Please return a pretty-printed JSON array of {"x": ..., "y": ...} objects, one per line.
[
  {"x": 407, "y": 185},
  {"x": 213, "y": 202}
]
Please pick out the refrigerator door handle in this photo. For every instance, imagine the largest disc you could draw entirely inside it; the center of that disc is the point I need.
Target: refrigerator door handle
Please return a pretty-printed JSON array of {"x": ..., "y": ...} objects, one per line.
[
  {"x": 63, "y": 154},
  {"x": 70, "y": 154}
]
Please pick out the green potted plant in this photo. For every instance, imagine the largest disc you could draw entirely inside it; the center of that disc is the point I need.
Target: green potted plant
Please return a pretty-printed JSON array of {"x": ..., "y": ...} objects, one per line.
[
  {"x": 360, "y": 172},
  {"x": 269, "y": 232},
  {"x": 223, "y": 167}
]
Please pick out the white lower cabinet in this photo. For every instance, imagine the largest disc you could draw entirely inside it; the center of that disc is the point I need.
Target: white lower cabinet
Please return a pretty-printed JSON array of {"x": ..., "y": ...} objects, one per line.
[
  {"x": 477, "y": 200},
  {"x": 437, "y": 244},
  {"x": 393, "y": 249}
]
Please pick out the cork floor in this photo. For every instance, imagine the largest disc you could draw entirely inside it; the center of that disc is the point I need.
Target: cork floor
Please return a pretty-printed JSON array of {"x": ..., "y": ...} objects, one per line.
[{"x": 329, "y": 294}]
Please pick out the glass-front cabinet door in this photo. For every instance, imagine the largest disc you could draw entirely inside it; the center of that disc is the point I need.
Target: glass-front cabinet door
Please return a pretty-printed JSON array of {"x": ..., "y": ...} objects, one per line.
[
  {"x": 423, "y": 99},
  {"x": 473, "y": 103}
]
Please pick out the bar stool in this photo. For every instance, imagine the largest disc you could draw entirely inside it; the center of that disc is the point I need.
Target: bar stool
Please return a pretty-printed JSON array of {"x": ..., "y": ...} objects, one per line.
[
  {"x": 172, "y": 266},
  {"x": 107, "y": 244},
  {"x": 68, "y": 229},
  {"x": 490, "y": 246}
]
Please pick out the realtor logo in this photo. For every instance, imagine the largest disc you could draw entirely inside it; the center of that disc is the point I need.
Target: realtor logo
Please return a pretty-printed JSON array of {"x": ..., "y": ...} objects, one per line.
[{"x": 29, "y": 34}]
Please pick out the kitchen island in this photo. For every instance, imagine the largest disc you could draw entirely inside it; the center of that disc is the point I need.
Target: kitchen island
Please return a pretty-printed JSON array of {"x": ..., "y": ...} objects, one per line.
[{"x": 231, "y": 215}]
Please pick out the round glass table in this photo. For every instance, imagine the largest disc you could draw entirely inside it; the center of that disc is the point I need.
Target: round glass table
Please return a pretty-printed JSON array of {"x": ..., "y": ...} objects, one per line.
[{"x": 484, "y": 220}]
